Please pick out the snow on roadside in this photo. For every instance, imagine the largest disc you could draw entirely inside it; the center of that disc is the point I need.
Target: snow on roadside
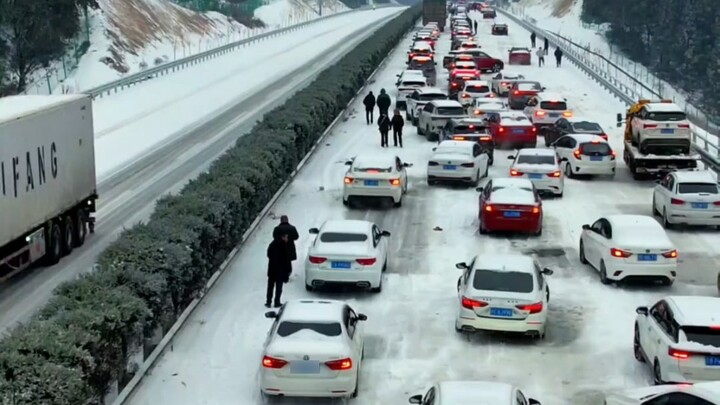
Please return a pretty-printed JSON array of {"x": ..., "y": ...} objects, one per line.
[{"x": 281, "y": 13}]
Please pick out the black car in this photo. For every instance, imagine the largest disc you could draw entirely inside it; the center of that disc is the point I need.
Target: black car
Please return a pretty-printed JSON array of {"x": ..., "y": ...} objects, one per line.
[
  {"x": 500, "y": 29},
  {"x": 469, "y": 129},
  {"x": 489, "y": 13},
  {"x": 572, "y": 125}
]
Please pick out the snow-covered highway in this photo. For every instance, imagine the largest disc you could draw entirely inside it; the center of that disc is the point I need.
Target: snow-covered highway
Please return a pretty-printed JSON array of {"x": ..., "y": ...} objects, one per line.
[{"x": 152, "y": 154}]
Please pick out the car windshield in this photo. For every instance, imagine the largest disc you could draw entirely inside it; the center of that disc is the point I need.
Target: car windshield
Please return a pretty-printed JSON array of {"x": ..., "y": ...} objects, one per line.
[
  {"x": 334, "y": 237},
  {"x": 702, "y": 335},
  {"x": 697, "y": 188},
  {"x": 421, "y": 64},
  {"x": 468, "y": 129},
  {"x": 536, "y": 159},
  {"x": 288, "y": 328},
  {"x": 586, "y": 126},
  {"x": 430, "y": 97},
  {"x": 667, "y": 116},
  {"x": 451, "y": 111},
  {"x": 508, "y": 281},
  {"x": 477, "y": 89},
  {"x": 590, "y": 149},
  {"x": 529, "y": 87},
  {"x": 553, "y": 105}
]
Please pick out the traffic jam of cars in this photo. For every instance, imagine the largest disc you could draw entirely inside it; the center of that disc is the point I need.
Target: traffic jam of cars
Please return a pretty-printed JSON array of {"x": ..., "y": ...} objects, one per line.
[{"x": 486, "y": 107}]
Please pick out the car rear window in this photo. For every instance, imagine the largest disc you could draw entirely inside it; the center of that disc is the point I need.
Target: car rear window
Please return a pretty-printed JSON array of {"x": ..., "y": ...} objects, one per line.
[
  {"x": 372, "y": 169},
  {"x": 288, "y": 328},
  {"x": 477, "y": 89},
  {"x": 553, "y": 105},
  {"x": 594, "y": 149},
  {"x": 702, "y": 335},
  {"x": 416, "y": 83},
  {"x": 468, "y": 46},
  {"x": 696, "y": 188},
  {"x": 515, "y": 119},
  {"x": 536, "y": 159},
  {"x": 585, "y": 126},
  {"x": 667, "y": 116},
  {"x": 469, "y": 129},
  {"x": 510, "y": 281},
  {"x": 430, "y": 97},
  {"x": 528, "y": 87},
  {"x": 333, "y": 237},
  {"x": 451, "y": 111}
]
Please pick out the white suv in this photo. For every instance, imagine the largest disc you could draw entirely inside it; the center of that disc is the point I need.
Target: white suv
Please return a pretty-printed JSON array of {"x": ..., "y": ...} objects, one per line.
[
  {"x": 679, "y": 339},
  {"x": 417, "y": 100},
  {"x": 661, "y": 122},
  {"x": 436, "y": 114},
  {"x": 474, "y": 89},
  {"x": 544, "y": 109}
]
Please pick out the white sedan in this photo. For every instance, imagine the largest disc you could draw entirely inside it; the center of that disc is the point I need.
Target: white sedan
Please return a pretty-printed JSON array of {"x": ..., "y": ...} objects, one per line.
[
  {"x": 503, "y": 81},
  {"x": 473, "y": 392},
  {"x": 585, "y": 154},
  {"x": 626, "y": 247},
  {"x": 678, "y": 339},
  {"x": 541, "y": 167},
  {"x": 458, "y": 161},
  {"x": 474, "y": 89},
  {"x": 313, "y": 349},
  {"x": 347, "y": 252},
  {"x": 483, "y": 106},
  {"x": 375, "y": 176},
  {"x": 689, "y": 198},
  {"x": 706, "y": 393},
  {"x": 505, "y": 293}
]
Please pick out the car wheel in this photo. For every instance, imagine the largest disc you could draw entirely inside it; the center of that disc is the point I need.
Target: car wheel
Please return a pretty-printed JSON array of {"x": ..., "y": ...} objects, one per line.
[
  {"x": 481, "y": 229},
  {"x": 384, "y": 265},
  {"x": 657, "y": 373},
  {"x": 357, "y": 382},
  {"x": 637, "y": 350},
  {"x": 568, "y": 171},
  {"x": 583, "y": 259},
  {"x": 377, "y": 289},
  {"x": 428, "y": 134},
  {"x": 665, "y": 223},
  {"x": 603, "y": 274},
  {"x": 654, "y": 210},
  {"x": 398, "y": 204},
  {"x": 54, "y": 251},
  {"x": 419, "y": 129},
  {"x": 346, "y": 202},
  {"x": 80, "y": 228},
  {"x": 415, "y": 121},
  {"x": 458, "y": 329},
  {"x": 309, "y": 288},
  {"x": 491, "y": 160},
  {"x": 68, "y": 235}
]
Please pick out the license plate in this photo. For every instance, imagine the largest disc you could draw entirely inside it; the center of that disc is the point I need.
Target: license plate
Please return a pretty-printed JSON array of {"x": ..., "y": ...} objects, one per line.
[
  {"x": 712, "y": 360},
  {"x": 554, "y": 115},
  {"x": 647, "y": 258},
  {"x": 667, "y": 131},
  {"x": 305, "y": 367},
  {"x": 449, "y": 167},
  {"x": 596, "y": 158},
  {"x": 699, "y": 205},
  {"x": 340, "y": 265},
  {"x": 511, "y": 214},
  {"x": 504, "y": 312},
  {"x": 535, "y": 176},
  {"x": 371, "y": 182},
  {"x": 518, "y": 131}
]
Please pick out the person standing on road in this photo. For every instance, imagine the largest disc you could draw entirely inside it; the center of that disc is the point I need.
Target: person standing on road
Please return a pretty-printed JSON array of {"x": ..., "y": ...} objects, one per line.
[
  {"x": 384, "y": 125},
  {"x": 369, "y": 102},
  {"x": 397, "y": 123},
  {"x": 285, "y": 228},
  {"x": 558, "y": 56},
  {"x": 541, "y": 56},
  {"x": 279, "y": 269},
  {"x": 547, "y": 45},
  {"x": 532, "y": 39},
  {"x": 383, "y": 102},
  {"x": 475, "y": 23}
]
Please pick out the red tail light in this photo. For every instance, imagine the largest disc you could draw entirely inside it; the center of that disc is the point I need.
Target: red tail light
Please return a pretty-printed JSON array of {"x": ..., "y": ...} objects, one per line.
[
  {"x": 675, "y": 201},
  {"x": 516, "y": 92},
  {"x": 348, "y": 180},
  {"x": 366, "y": 262},
  {"x": 458, "y": 138},
  {"x": 555, "y": 174},
  {"x": 488, "y": 208},
  {"x": 470, "y": 304},
  {"x": 454, "y": 84},
  {"x": 678, "y": 354},
  {"x": 673, "y": 254},
  {"x": 515, "y": 173},
  {"x": 612, "y": 155},
  {"x": 412, "y": 55},
  {"x": 716, "y": 203},
  {"x": 684, "y": 126},
  {"x": 648, "y": 126},
  {"x": 489, "y": 138},
  {"x": 394, "y": 182},
  {"x": 501, "y": 129},
  {"x": 317, "y": 259},
  {"x": 535, "y": 308},
  {"x": 468, "y": 165},
  {"x": 604, "y": 136},
  {"x": 534, "y": 129},
  {"x": 536, "y": 210},
  {"x": 539, "y": 113},
  {"x": 619, "y": 253},
  {"x": 577, "y": 153},
  {"x": 339, "y": 365},
  {"x": 271, "y": 362}
]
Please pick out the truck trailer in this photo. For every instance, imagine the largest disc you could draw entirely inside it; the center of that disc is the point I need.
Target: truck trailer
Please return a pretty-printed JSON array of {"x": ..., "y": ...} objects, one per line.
[
  {"x": 435, "y": 11},
  {"x": 47, "y": 179}
]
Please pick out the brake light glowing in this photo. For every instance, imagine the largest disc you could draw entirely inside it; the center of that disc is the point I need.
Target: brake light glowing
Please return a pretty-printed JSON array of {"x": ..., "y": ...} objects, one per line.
[
  {"x": 317, "y": 259},
  {"x": 675, "y": 201},
  {"x": 412, "y": 55},
  {"x": 539, "y": 113},
  {"x": 478, "y": 112},
  {"x": 271, "y": 362},
  {"x": 673, "y": 254},
  {"x": 394, "y": 182},
  {"x": 458, "y": 138},
  {"x": 603, "y": 136},
  {"x": 684, "y": 126},
  {"x": 577, "y": 153},
  {"x": 348, "y": 180},
  {"x": 489, "y": 138},
  {"x": 534, "y": 129},
  {"x": 535, "y": 308},
  {"x": 366, "y": 262},
  {"x": 648, "y": 126},
  {"x": 536, "y": 210},
  {"x": 516, "y": 92},
  {"x": 465, "y": 95},
  {"x": 454, "y": 84},
  {"x": 678, "y": 354},
  {"x": 515, "y": 173},
  {"x": 471, "y": 126},
  {"x": 619, "y": 253},
  {"x": 501, "y": 129},
  {"x": 555, "y": 174},
  {"x": 471, "y": 304},
  {"x": 567, "y": 114},
  {"x": 488, "y": 208},
  {"x": 340, "y": 365}
]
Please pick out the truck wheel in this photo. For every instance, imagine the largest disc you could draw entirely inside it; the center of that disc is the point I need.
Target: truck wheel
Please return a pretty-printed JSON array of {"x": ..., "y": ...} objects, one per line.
[
  {"x": 54, "y": 244},
  {"x": 80, "y": 228},
  {"x": 68, "y": 235}
]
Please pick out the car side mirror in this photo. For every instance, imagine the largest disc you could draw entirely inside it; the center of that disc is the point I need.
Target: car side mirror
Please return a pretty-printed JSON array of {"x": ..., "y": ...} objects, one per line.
[
  {"x": 348, "y": 163},
  {"x": 314, "y": 231},
  {"x": 271, "y": 315},
  {"x": 511, "y": 157},
  {"x": 533, "y": 401},
  {"x": 415, "y": 399},
  {"x": 619, "y": 118},
  {"x": 641, "y": 310},
  {"x": 362, "y": 317},
  {"x": 461, "y": 266},
  {"x": 385, "y": 234},
  {"x": 542, "y": 88},
  {"x": 434, "y": 149},
  {"x": 479, "y": 189},
  {"x": 586, "y": 227},
  {"x": 407, "y": 165},
  {"x": 547, "y": 272},
  {"x": 658, "y": 181}
]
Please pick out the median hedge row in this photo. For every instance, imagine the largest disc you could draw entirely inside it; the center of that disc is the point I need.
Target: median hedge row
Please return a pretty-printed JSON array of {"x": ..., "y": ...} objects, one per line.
[{"x": 81, "y": 341}]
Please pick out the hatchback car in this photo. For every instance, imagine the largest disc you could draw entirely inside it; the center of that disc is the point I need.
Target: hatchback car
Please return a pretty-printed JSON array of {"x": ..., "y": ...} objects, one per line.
[
  {"x": 512, "y": 129},
  {"x": 519, "y": 56},
  {"x": 510, "y": 205},
  {"x": 482, "y": 108},
  {"x": 457, "y": 161},
  {"x": 474, "y": 89},
  {"x": 347, "y": 253},
  {"x": 541, "y": 167},
  {"x": 499, "y": 29},
  {"x": 501, "y": 83},
  {"x": 375, "y": 176},
  {"x": 583, "y": 154},
  {"x": 521, "y": 91},
  {"x": 688, "y": 198},
  {"x": 545, "y": 109},
  {"x": 504, "y": 293},
  {"x": 472, "y": 392}
]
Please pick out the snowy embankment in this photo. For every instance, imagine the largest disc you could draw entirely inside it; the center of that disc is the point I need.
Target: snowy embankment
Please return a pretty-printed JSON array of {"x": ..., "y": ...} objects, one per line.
[
  {"x": 282, "y": 13},
  {"x": 562, "y": 17}
]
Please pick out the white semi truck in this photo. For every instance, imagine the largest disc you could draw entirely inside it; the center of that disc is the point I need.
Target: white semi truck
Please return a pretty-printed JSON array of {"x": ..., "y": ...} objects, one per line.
[{"x": 47, "y": 179}]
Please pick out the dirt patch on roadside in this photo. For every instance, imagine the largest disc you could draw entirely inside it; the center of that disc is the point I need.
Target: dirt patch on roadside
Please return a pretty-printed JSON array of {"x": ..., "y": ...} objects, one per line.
[{"x": 562, "y": 7}]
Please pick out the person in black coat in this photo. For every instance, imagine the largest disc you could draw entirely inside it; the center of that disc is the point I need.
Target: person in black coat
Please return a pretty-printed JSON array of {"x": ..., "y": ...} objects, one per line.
[
  {"x": 369, "y": 102},
  {"x": 547, "y": 45},
  {"x": 383, "y": 102},
  {"x": 532, "y": 39},
  {"x": 285, "y": 228},
  {"x": 384, "y": 125},
  {"x": 397, "y": 123},
  {"x": 279, "y": 268},
  {"x": 558, "y": 56}
]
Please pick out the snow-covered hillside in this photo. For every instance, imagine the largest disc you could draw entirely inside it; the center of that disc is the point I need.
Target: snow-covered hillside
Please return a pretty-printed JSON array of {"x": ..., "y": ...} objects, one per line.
[{"x": 281, "y": 13}]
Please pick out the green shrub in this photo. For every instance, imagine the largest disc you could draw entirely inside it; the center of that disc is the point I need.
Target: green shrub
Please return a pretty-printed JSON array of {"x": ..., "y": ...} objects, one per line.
[{"x": 81, "y": 341}]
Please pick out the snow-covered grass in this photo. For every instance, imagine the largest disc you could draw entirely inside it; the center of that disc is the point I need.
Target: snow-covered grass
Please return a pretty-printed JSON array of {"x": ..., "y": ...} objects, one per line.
[
  {"x": 410, "y": 342},
  {"x": 280, "y": 13}
]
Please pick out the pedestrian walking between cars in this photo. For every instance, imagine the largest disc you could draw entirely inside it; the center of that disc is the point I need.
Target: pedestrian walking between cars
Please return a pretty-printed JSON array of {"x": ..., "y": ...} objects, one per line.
[
  {"x": 532, "y": 39},
  {"x": 558, "y": 56},
  {"x": 279, "y": 269},
  {"x": 397, "y": 123},
  {"x": 541, "y": 56},
  {"x": 384, "y": 125},
  {"x": 369, "y": 102},
  {"x": 383, "y": 102}
]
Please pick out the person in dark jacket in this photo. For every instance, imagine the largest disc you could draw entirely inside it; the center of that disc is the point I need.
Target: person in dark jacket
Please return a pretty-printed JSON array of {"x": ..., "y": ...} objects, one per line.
[
  {"x": 397, "y": 123},
  {"x": 475, "y": 27},
  {"x": 532, "y": 39},
  {"x": 285, "y": 228},
  {"x": 279, "y": 268},
  {"x": 384, "y": 125},
  {"x": 383, "y": 102},
  {"x": 558, "y": 56},
  {"x": 547, "y": 45},
  {"x": 369, "y": 102}
]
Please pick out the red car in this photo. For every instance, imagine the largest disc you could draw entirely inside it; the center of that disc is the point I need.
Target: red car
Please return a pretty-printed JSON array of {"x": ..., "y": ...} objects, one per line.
[
  {"x": 519, "y": 56},
  {"x": 485, "y": 62},
  {"x": 521, "y": 91},
  {"x": 510, "y": 205},
  {"x": 512, "y": 129},
  {"x": 458, "y": 78}
]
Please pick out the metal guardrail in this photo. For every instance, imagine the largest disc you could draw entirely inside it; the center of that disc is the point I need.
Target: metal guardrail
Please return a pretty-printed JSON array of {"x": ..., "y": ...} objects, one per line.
[
  {"x": 170, "y": 67},
  {"x": 599, "y": 72}
]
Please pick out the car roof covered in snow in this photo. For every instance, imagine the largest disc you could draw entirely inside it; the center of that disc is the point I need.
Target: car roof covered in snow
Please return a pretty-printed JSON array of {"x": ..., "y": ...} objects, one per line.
[
  {"x": 583, "y": 138},
  {"x": 700, "y": 176},
  {"x": 505, "y": 262},
  {"x": 663, "y": 107},
  {"x": 477, "y": 83},
  {"x": 431, "y": 90},
  {"x": 374, "y": 161},
  {"x": 536, "y": 152},
  {"x": 347, "y": 226},
  {"x": 519, "y": 49},
  {"x": 545, "y": 96},
  {"x": 475, "y": 392},
  {"x": 576, "y": 119},
  {"x": 512, "y": 191},
  {"x": 455, "y": 145},
  {"x": 638, "y": 229},
  {"x": 695, "y": 310},
  {"x": 313, "y": 310},
  {"x": 422, "y": 45},
  {"x": 446, "y": 103}
]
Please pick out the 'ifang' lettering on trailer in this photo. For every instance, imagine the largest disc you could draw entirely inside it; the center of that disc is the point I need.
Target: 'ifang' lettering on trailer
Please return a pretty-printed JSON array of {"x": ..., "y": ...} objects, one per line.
[{"x": 25, "y": 173}]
